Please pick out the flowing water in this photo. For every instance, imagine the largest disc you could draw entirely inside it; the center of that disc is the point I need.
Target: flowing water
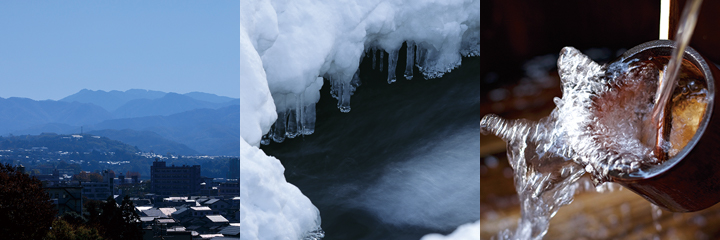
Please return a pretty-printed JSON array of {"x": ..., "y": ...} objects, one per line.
[
  {"x": 670, "y": 75},
  {"x": 600, "y": 126},
  {"x": 403, "y": 163}
]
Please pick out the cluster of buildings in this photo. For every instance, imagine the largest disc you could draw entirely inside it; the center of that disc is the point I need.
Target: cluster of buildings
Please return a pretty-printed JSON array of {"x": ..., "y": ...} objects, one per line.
[
  {"x": 181, "y": 204},
  {"x": 194, "y": 217}
]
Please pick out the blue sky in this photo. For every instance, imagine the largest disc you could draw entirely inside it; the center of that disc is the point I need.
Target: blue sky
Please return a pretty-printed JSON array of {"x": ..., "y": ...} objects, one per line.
[{"x": 51, "y": 49}]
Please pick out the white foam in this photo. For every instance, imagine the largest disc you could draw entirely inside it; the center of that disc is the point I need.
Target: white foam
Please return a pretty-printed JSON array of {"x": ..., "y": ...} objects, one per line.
[
  {"x": 437, "y": 187},
  {"x": 468, "y": 231}
]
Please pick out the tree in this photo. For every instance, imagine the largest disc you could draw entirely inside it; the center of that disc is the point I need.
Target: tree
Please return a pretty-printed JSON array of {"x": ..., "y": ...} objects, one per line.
[
  {"x": 64, "y": 230},
  {"x": 26, "y": 211},
  {"x": 120, "y": 222}
]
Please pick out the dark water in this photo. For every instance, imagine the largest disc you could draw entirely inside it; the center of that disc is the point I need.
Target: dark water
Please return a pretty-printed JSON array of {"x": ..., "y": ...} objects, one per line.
[{"x": 404, "y": 162}]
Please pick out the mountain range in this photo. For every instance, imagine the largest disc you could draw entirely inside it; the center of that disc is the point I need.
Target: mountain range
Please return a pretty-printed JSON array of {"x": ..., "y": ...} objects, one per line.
[{"x": 189, "y": 124}]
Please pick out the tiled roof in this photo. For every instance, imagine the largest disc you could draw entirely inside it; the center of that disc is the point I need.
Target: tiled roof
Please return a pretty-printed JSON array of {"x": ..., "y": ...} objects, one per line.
[
  {"x": 217, "y": 218},
  {"x": 166, "y": 220},
  {"x": 230, "y": 231},
  {"x": 154, "y": 213},
  {"x": 201, "y": 208},
  {"x": 167, "y": 211}
]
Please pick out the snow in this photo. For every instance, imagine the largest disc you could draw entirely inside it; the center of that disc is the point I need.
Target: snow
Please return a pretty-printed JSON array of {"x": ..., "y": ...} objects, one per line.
[
  {"x": 466, "y": 231},
  {"x": 270, "y": 207},
  {"x": 312, "y": 39},
  {"x": 287, "y": 47}
]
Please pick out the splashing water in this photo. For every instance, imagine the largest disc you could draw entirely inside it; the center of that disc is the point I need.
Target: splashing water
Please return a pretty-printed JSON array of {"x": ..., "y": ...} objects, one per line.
[
  {"x": 597, "y": 127},
  {"x": 611, "y": 120}
]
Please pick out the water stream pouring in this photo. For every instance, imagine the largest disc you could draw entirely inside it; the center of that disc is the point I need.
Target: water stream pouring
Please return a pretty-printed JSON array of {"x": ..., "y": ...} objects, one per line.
[
  {"x": 690, "y": 180},
  {"x": 603, "y": 126}
]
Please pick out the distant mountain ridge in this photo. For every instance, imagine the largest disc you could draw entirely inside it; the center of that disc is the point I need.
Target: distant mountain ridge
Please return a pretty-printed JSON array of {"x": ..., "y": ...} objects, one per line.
[
  {"x": 59, "y": 142},
  {"x": 192, "y": 123},
  {"x": 150, "y": 141},
  {"x": 21, "y": 113},
  {"x": 113, "y": 100},
  {"x": 208, "y": 131},
  {"x": 169, "y": 104}
]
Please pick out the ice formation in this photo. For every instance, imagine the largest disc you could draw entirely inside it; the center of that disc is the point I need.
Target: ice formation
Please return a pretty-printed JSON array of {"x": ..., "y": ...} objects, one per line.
[
  {"x": 304, "y": 41},
  {"x": 288, "y": 47}
]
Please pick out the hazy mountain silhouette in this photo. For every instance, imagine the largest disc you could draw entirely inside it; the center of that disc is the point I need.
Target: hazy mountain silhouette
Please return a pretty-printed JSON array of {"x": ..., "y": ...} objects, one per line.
[
  {"x": 134, "y": 102},
  {"x": 208, "y": 97},
  {"x": 22, "y": 113},
  {"x": 169, "y": 104},
  {"x": 113, "y": 99},
  {"x": 169, "y": 122},
  {"x": 146, "y": 141},
  {"x": 208, "y": 131}
]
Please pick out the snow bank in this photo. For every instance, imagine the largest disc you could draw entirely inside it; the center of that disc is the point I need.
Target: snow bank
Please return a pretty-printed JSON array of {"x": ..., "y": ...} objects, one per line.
[
  {"x": 271, "y": 208},
  {"x": 464, "y": 232}
]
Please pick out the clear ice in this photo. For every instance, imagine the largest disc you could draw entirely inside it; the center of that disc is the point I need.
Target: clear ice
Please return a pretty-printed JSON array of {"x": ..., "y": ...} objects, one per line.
[
  {"x": 392, "y": 64},
  {"x": 410, "y": 63},
  {"x": 595, "y": 128},
  {"x": 298, "y": 119}
]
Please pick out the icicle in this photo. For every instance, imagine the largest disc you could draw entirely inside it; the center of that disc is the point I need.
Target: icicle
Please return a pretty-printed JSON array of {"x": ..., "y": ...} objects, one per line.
[
  {"x": 334, "y": 88},
  {"x": 420, "y": 54},
  {"x": 308, "y": 120},
  {"x": 355, "y": 83},
  {"x": 410, "y": 63},
  {"x": 373, "y": 57},
  {"x": 344, "y": 99},
  {"x": 300, "y": 113},
  {"x": 392, "y": 63},
  {"x": 382, "y": 55},
  {"x": 279, "y": 127},
  {"x": 291, "y": 131}
]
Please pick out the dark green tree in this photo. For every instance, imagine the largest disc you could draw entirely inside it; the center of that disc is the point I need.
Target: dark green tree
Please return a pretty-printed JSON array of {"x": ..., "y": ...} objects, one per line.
[
  {"x": 63, "y": 230},
  {"x": 26, "y": 211},
  {"x": 131, "y": 220},
  {"x": 120, "y": 222}
]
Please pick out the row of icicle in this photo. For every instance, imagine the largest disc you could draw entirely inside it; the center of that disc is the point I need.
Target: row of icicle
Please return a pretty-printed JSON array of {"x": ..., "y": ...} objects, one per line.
[{"x": 300, "y": 119}]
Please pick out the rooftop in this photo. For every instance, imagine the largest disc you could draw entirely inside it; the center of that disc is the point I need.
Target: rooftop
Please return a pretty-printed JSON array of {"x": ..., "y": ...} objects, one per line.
[
  {"x": 167, "y": 211},
  {"x": 230, "y": 230},
  {"x": 201, "y": 208},
  {"x": 217, "y": 219},
  {"x": 154, "y": 213}
]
